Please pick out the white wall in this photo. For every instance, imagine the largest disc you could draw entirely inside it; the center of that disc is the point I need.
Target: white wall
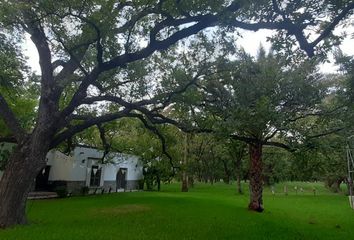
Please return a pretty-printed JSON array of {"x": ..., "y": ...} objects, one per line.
[
  {"x": 78, "y": 166},
  {"x": 61, "y": 166},
  {"x": 130, "y": 162}
]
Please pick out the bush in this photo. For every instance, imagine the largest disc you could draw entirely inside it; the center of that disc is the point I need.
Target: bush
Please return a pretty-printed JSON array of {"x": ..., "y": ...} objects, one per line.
[
  {"x": 62, "y": 191},
  {"x": 141, "y": 184},
  {"x": 84, "y": 190}
]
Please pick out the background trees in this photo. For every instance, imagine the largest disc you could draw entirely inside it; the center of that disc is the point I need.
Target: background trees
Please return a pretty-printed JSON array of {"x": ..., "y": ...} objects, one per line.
[{"x": 96, "y": 65}]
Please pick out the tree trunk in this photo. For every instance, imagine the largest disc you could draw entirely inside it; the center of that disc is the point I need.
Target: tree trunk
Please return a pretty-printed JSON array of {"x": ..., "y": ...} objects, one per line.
[
  {"x": 184, "y": 182},
  {"x": 227, "y": 172},
  {"x": 256, "y": 183},
  {"x": 226, "y": 180},
  {"x": 158, "y": 181},
  {"x": 239, "y": 187},
  {"x": 185, "y": 159},
  {"x": 23, "y": 166},
  {"x": 336, "y": 185},
  {"x": 190, "y": 181}
]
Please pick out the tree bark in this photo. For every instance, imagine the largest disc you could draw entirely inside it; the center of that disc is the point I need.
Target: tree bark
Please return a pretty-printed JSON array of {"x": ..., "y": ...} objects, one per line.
[
  {"x": 227, "y": 172},
  {"x": 239, "y": 187},
  {"x": 22, "y": 168},
  {"x": 184, "y": 182},
  {"x": 256, "y": 181},
  {"x": 24, "y": 164},
  {"x": 158, "y": 181},
  {"x": 184, "y": 170}
]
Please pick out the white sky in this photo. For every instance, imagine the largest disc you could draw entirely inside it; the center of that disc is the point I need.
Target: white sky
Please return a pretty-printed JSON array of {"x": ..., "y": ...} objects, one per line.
[{"x": 250, "y": 42}]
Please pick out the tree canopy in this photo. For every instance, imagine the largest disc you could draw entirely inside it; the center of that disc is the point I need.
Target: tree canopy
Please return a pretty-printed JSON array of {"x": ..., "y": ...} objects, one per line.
[{"x": 101, "y": 61}]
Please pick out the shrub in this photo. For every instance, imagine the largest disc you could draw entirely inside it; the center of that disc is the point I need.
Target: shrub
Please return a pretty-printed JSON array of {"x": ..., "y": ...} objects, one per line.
[
  {"x": 62, "y": 191},
  {"x": 84, "y": 190},
  {"x": 141, "y": 184}
]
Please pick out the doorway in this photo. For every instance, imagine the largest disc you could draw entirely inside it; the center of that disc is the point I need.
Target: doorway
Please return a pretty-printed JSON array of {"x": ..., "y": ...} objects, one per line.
[
  {"x": 42, "y": 179},
  {"x": 95, "y": 177},
  {"x": 121, "y": 178}
]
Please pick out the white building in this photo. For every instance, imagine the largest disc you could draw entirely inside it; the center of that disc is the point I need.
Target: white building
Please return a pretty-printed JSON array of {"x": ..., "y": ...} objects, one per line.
[{"x": 84, "y": 168}]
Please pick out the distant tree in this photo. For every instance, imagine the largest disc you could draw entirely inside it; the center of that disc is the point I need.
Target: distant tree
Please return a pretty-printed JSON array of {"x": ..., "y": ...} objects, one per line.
[
  {"x": 238, "y": 151},
  {"x": 276, "y": 165}
]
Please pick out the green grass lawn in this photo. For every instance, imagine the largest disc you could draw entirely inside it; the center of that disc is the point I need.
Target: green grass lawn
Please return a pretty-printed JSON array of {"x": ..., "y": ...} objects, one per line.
[{"x": 206, "y": 212}]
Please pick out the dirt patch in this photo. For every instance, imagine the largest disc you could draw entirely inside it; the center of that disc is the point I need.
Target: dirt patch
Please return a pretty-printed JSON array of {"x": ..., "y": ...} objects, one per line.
[{"x": 123, "y": 209}]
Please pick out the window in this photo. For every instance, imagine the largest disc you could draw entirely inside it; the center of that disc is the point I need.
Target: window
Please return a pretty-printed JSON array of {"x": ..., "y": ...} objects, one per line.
[{"x": 95, "y": 179}]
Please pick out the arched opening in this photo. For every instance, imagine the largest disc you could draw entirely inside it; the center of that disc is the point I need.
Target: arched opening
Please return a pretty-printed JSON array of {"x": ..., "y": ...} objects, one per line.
[
  {"x": 121, "y": 178},
  {"x": 42, "y": 180},
  {"x": 95, "y": 177}
]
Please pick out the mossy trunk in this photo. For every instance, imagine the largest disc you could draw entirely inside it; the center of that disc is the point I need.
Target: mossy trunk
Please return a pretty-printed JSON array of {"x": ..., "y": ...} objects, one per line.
[{"x": 256, "y": 181}]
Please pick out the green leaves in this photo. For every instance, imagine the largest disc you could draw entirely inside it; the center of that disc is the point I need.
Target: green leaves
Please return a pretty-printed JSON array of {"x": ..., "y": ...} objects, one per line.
[
  {"x": 16, "y": 85},
  {"x": 12, "y": 64}
]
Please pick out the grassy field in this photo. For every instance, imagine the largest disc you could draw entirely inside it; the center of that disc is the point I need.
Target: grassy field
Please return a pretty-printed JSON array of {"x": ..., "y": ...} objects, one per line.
[{"x": 206, "y": 212}]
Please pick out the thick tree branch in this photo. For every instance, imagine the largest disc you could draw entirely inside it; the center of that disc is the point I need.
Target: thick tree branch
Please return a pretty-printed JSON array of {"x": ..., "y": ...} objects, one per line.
[
  {"x": 105, "y": 144},
  {"x": 243, "y": 138},
  {"x": 40, "y": 41},
  {"x": 202, "y": 22},
  {"x": 74, "y": 62},
  {"x": 329, "y": 132},
  {"x": 99, "y": 47},
  {"x": 271, "y": 135},
  {"x": 80, "y": 94},
  {"x": 124, "y": 59},
  {"x": 166, "y": 98},
  {"x": 10, "y": 139},
  {"x": 280, "y": 145},
  {"x": 314, "y": 113},
  {"x": 327, "y": 31},
  {"x": 72, "y": 130},
  {"x": 58, "y": 63},
  {"x": 295, "y": 29},
  {"x": 250, "y": 140},
  {"x": 154, "y": 130}
]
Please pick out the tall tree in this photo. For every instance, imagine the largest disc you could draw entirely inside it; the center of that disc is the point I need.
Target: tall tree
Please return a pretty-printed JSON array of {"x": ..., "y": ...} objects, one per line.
[
  {"x": 257, "y": 101},
  {"x": 90, "y": 53}
]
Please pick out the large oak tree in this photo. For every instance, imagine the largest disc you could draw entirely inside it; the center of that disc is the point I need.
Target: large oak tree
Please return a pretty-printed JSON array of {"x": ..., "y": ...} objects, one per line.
[{"x": 87, "y": 48}]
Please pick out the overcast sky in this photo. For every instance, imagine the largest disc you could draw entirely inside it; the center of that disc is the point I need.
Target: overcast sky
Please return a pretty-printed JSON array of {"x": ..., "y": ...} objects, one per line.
[{"x": 250, "y": 42}]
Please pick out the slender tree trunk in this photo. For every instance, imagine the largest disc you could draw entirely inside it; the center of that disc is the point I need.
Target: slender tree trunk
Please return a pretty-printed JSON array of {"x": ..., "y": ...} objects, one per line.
[
  {"x": 158, "y": 180},
  {"x": 256, "y": 182},
  {"x": 239, "y": 187},
  {"x": 190, "y": 181},
  {"x": 184, "y": 182},
  {"x": 184, "y": 173},
  {"x": 336, "y": 185},
  {"x": 24, "y": 165},
  {"x": 227, "y": 172}
]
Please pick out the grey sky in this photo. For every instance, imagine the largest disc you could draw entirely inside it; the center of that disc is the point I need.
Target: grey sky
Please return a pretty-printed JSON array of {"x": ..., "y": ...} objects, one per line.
[{"x": 250, "y": 42}]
